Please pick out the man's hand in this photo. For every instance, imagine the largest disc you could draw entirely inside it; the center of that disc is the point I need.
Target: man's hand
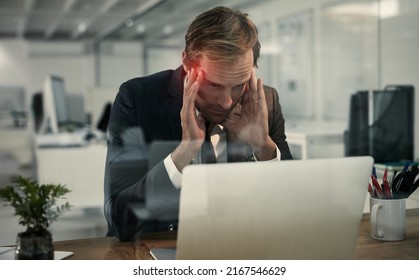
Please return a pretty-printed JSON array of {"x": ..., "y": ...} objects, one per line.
[
  {"x": 250, "y": 124},
  {"x": 193, "y": 125}
]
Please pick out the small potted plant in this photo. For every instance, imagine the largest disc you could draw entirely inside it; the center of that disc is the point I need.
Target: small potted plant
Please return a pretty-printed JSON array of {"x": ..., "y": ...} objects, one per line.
[{"x": 37, "y": 207}]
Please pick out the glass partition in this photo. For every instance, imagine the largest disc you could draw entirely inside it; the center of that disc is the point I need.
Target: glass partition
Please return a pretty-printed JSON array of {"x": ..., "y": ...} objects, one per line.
[
  {"x": 349, "y": 54},
  {"x": 294, "y": 64}
]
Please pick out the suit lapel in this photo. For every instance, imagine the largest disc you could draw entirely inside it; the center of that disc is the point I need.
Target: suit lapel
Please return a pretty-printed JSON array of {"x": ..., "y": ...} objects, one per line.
[
  {"x": 174, "y": 103},
  {"x": 173, "y": 107}
]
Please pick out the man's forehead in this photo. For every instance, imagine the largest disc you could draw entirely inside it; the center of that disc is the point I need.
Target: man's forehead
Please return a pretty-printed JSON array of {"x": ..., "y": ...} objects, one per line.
[
  {"x": 227, "y": 73},
  {"x": 234, "y": 70}
]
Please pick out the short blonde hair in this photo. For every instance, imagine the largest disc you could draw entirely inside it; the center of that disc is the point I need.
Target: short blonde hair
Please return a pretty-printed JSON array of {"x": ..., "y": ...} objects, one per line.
[{"x": 221, "y": 35}]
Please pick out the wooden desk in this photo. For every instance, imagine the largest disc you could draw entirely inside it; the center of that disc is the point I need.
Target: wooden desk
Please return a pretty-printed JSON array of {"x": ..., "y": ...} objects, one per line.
[
  {"x": 108, "y": 248},
  {"x": 368, "y": 248}
]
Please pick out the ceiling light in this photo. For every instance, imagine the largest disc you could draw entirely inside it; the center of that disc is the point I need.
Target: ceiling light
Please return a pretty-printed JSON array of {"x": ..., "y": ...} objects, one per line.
[
  {"x": 386, "y": 8},
  {"x": 168, "y": 29},
  {"x": 383, "y": 9},
  {"x": 81, "y": 27},
  {"x": 140, "y": 28}
]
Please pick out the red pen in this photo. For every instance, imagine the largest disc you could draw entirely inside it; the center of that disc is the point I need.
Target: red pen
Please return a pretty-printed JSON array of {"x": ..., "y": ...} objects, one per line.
[
  {"x": 370, "y": 190},
  {"x": 377, "y": 187},
  {"x": 386, "y": 186}
]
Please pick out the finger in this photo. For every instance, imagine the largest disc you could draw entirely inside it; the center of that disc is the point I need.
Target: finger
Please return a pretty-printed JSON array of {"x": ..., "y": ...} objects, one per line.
[
  {"x": 193, "y": 83},
  {"x": 253, "y": 81},
  {"x": 261, "y": 92},
  {"x": 200, "y": 77},
  {"x": 251, "y": 97},
  {"x": 201, "y": 121},
  {"x": 190, "y": 94},
  {"x": 190, "y": 80},
  {"x": 228, "y": 124},
  {"x": 255, "y": 87}
]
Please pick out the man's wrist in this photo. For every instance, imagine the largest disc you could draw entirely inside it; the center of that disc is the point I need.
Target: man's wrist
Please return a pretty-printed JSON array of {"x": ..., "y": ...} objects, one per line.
[
  {"x": 266, "y": 152},
  {"x": 174, "y": 175},
  {"x": 185, "y": 153}
]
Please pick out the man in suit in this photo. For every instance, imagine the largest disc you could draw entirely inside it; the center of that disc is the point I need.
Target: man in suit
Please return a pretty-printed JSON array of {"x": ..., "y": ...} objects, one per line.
[{"x": 215, "y": 90}]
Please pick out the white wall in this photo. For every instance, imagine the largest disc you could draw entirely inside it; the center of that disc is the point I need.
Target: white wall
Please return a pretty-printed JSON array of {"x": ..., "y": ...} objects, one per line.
[
  {"x": 13, "y": 61},
  {"x": 26, "y": 64},
  {"x": 118, "y": 62},
  {"x": 161, "y": 58}
]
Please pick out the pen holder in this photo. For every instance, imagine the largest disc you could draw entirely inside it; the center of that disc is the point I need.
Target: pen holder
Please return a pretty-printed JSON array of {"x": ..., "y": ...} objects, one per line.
[{"x": 388, "y": 219}]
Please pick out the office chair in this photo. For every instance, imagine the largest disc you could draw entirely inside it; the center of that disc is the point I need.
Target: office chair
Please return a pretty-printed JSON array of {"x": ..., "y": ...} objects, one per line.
[
  {"x": 38, "y": 111},
  {"x": 104, "y": 119}
]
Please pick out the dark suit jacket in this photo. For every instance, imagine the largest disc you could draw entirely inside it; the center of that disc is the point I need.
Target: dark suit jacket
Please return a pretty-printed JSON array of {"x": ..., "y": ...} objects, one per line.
[{"x": 153, "y": 103}]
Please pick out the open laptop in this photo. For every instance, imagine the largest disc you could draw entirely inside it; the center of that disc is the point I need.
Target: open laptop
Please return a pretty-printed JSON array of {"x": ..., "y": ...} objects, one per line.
[{"x": 300, "y": 209}]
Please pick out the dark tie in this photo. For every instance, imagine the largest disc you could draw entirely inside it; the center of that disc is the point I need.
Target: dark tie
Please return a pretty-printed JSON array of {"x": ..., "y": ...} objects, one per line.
[
  {"x": 207, "y": 150},
  {"x": 238, "y": 152}
]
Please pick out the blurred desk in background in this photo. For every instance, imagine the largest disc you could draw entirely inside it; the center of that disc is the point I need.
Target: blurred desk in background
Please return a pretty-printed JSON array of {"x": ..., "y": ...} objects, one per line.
[
  {"x": 17, "y": 141},
  {"x": 311, "y": 139},
  {"x": 80, "y": 169}
]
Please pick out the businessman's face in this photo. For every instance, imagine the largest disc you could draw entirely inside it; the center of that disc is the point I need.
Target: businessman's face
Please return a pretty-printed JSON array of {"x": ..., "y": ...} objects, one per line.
[{"x": 223, "y": 84}]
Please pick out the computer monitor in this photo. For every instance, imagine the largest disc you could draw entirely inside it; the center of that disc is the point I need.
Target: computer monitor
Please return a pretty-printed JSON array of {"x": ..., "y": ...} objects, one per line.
[
  {"x": 55, "y": 105},
  {"x": 356, "y": 137},
  {"x": 381, "y": 124},
  {"x": 391, "y": 121}
]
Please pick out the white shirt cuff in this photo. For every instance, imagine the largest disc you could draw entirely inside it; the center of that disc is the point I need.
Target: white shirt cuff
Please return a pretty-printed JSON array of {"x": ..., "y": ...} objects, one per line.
[
  {"x": 174, "y": 174},
  {"x": 278, "y": 155}
]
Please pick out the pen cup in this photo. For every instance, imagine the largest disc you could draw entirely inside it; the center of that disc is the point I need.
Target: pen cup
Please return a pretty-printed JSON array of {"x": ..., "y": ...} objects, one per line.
[{"x": 388, "y": 219}]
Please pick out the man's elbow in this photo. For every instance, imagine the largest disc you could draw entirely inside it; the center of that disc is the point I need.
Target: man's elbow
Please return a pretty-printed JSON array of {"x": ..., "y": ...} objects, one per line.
[{"x": 123, "y": 227}]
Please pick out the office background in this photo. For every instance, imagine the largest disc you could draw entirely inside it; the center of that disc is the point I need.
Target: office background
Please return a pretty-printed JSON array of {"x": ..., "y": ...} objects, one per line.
[{"x": 316, "y": 53}]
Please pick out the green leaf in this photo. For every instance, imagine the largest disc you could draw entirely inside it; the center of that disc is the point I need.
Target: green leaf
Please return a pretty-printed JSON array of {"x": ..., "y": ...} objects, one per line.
[{"x": 34, "y": 204}]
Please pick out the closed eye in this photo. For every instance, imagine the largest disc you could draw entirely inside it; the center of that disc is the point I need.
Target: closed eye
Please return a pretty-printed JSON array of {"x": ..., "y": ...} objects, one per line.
[
  {"x": 214, "y": 85},
  {"x": 240, "y": 86}
]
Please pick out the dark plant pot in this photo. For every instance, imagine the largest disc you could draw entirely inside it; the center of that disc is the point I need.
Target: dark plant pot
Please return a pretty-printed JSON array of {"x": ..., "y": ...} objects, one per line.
[{"x": 34, "y": 246}]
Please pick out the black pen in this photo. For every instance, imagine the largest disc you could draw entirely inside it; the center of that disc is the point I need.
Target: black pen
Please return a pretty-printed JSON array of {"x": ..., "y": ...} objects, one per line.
[
  {"x": 413, "y": 188},
  {"x": 395, "y": 180},
  {"x": 406, "y": 166}
]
